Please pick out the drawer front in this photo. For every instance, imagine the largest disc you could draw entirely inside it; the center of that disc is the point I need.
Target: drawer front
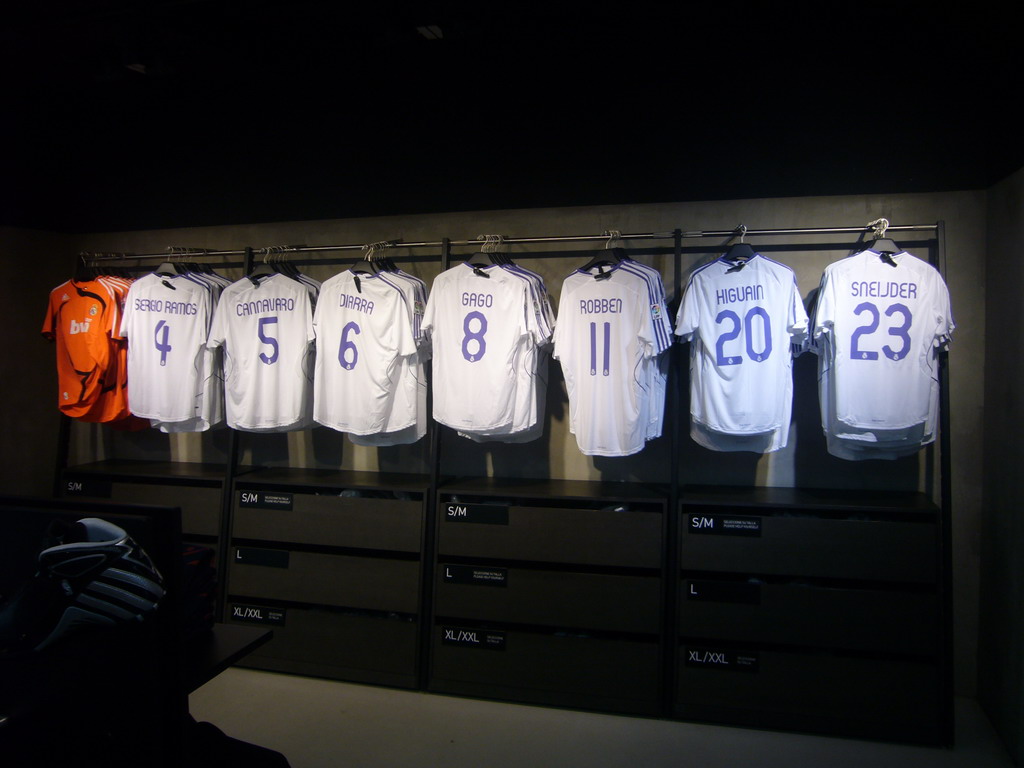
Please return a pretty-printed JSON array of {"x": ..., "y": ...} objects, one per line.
[
  {"x": 817, "y": 547},
  {"x": 551, "y": 598},
  {"x": 200, "y": 507},
  {"x": 369, "y": 583},
  {"x": 569, "y": 671},
  {"x": 815, "y": 692},
  {"x": 579, "y": 536},
  {"x": 806, "y": 615},
  {"x": 343, "y": 646},
  {"x": 334, "y": 521}
]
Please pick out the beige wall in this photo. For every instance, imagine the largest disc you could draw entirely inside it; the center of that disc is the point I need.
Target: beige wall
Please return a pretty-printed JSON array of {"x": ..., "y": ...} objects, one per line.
[{"x": 556, "y": 455}]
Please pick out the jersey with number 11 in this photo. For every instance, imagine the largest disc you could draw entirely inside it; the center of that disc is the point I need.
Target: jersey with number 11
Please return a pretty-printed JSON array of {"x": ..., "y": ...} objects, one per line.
[{"x": 607, "y": 327}]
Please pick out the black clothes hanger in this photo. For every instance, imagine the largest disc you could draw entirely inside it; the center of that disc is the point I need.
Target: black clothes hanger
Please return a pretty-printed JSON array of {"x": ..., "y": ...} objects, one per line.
[
  {"x": 608, "y": 257},
  {"x": 601, "y": 259},
  {"x": 487, "y": 256},
  {"x": 83, "y": 272},
  {"x": 881, "y": 244},
  {"x": 619, "y": 254},
  {"x": 740, "y": 252},
  {"x": 263, "y": 269},
  {"x": 884, "y": 245}
]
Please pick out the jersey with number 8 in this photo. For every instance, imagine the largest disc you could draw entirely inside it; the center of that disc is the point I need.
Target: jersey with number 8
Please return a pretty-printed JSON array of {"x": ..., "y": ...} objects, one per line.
[
  {"x": 885, "y": 318},
  {"x": 478, "y": 323},
  {"x": 267, "y": 333}
]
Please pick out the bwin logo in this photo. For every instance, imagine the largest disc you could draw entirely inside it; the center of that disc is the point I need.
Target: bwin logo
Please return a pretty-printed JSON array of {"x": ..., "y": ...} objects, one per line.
[
  {"x": 79, "y": 327},
  {"x": 708, "y": 657},
  {"x": 241, "y": 612},
  {"x": 462, "y": 636}
]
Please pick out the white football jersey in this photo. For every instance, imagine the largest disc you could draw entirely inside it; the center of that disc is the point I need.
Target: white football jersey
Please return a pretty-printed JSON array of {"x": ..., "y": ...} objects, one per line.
[
  {"x": 479, "y": 320},
  {"x": 210, "y": 398},
  {"x": 742, "y": 317},
  {"x": 606, "y": 329},
  {"x": 166, "y": 320},
  {"x": 364, "y": 329},
  {"x": 531, "y": 368},
  {"x": 411, "y": 387},
  {"x": 656, "y": 367},
  {"x": 266, "y": 331},
  {"x": 884, "y": 317}
]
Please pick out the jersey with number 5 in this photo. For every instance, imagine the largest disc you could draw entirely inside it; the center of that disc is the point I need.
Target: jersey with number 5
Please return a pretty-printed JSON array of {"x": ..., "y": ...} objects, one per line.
[
  {"x": 885, "y": 317},
  {"x": 266, "y": 331},
  {"x": 741, "y": 317},
  {"x": 166, "y": 321},
  {"x": 479, "y": 320}
]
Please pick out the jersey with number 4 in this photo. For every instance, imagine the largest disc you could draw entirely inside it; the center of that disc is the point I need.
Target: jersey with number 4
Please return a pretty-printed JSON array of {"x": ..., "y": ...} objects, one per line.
[
  {"x": 742, "y": 318},
  {"x": 885, "y": 317},
  {"x": 266, "y": 331},
  {"x": 166, "y": 321}
]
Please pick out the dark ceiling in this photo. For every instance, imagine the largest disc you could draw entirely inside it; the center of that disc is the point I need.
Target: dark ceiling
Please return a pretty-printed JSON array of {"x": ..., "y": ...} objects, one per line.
[{"x": 127, "y": 115}]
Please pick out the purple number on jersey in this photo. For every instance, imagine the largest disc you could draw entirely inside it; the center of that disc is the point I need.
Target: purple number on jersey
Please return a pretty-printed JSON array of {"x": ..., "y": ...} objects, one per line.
[
  {"x": 477, "y": 336},
  {"x": 346, "y": 345},
  {"x": 161, "y": 341}
]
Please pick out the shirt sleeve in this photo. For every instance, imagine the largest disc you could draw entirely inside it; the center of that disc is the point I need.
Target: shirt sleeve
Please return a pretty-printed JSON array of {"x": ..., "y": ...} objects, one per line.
[
  {"x": 688, "y": 316},
  {"x": 797, "y": 320},
  {"x": 218, "y": 328},
  {"x": 824, "y": 307},
  {"x": 49, "y": 322}
]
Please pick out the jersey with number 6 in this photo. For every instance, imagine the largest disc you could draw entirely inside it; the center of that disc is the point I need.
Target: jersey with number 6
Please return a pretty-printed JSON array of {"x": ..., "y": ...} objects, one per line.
[
  {"x": 166, "y": 321},
  {"x": 605, "y": 332},
  {"x": 266, "y": 331},
  {"x": 885, "y": 318},
  {"x": 479, "y": 320},
  {"x": 742, "y": 318},
  {"x": 364, "y": 327}
]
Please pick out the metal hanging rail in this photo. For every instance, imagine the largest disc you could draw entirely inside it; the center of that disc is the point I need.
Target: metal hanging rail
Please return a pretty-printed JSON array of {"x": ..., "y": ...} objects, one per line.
[
  {"x": 812, "y": 231},
  {"x": 691, "y": 234},
  {"x": 166, "y": 255},
  {"x": 568, "y": 239}
]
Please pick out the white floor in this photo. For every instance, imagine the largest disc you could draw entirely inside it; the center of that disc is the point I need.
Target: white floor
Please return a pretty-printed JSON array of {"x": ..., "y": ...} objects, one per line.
[{"x": 324, "y": 724}]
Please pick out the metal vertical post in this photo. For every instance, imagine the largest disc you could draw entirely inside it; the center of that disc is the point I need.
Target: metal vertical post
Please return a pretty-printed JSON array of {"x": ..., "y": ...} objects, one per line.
[
  {"x": 946, "y": 513},
  {"x": 429, "y": 548},
  {"x": 671, "y": 527},
  {"x": 227, "y": 498}
]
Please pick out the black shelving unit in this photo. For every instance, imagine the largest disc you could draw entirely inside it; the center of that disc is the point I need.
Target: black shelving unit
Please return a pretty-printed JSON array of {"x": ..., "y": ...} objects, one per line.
[
  {"x": 550, "y": 592},
  {"x": 811, "y": 611},
  {"x": 332, "y": 560},
  {"x": 816, "y": 610}
]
